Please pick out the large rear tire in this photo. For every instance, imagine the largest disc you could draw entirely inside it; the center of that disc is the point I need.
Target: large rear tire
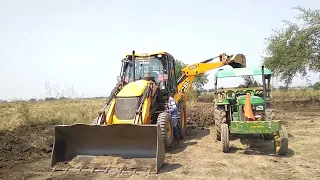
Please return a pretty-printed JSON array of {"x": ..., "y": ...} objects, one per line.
[
  {"x": 225, "y": 138},
  {"x": 164, "y": 120},
  {"x": 182, "y": 123},
  {"x": 220, "y": 117}
]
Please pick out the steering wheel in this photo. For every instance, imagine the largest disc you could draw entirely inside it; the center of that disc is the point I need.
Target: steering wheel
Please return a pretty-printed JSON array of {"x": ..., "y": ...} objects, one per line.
[{"x": 240, "y": 92}]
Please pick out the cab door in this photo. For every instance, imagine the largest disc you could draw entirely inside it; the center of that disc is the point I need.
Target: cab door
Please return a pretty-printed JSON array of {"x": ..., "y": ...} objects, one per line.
[{"x": 172, "y": 81}]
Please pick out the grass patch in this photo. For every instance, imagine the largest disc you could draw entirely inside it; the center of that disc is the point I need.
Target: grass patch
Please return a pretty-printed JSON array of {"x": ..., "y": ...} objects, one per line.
[
  {"x": 49, "y": 112},
  {"x": 296, "y": 95}
]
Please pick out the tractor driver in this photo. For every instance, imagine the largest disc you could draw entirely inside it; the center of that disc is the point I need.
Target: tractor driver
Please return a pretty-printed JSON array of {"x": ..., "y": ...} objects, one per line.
[{"x": 172, "y": 108}]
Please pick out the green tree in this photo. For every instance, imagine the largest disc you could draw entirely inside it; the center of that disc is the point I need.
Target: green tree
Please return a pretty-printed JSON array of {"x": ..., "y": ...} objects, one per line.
[
  {"x": 200, "y": 79},
  {"x": 295, "y": 49},
  {"x": 316, "y": 86},
  {"x": 249, "y": 81}
]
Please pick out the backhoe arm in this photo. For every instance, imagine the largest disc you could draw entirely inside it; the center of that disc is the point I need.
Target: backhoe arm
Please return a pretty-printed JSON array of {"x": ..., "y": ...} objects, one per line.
[{"x": 190, "y": 72}]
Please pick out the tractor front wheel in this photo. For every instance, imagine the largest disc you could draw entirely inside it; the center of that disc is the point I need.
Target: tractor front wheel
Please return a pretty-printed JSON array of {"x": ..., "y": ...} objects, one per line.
[
  {"x": 220, "y": 118},
  {"x": 225, "y": 137},
  {"x": 164, "y": 120},
  {"x": 281, "y": 141}
]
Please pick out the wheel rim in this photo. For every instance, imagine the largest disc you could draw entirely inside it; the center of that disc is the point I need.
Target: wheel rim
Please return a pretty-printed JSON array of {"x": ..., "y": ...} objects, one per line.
[
  {"x": 168, "y": 129},
  {"x": 277, "y": 141}
]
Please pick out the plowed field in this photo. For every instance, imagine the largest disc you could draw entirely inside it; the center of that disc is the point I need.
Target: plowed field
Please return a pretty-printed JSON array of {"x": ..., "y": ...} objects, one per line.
[{"x": 25, "y": 152}]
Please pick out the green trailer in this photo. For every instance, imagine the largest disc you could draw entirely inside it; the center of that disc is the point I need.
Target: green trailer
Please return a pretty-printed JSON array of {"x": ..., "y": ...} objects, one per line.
[{"x": 229, "y": 110}]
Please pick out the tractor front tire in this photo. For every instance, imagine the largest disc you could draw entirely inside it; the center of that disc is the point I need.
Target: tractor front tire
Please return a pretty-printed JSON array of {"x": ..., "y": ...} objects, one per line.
[
  {"x": 281, "y": 141},
  {"x": 225, "y": 138},
  {"x": 164, "y": 120},
  {"x": 220, "y": 118}
]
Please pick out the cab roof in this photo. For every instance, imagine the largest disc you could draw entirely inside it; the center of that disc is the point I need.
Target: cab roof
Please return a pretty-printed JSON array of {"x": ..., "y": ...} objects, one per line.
[
  {"x": 150, "y": 54},
  {"x": 236, "y": 72}
]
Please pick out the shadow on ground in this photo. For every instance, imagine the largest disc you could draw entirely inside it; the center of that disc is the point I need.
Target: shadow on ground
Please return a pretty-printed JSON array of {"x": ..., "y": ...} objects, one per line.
[
  {"x": 191, "y": 134},
  {"x": 167, "y": 167},
  {"x": 255, "y": 145}
]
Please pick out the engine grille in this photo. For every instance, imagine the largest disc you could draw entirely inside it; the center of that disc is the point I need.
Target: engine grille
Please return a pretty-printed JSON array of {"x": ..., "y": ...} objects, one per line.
[{"x": 126, "y": 107}]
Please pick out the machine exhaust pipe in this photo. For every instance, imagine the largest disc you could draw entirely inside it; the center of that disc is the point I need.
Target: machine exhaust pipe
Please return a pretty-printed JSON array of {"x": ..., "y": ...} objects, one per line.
[{"x": 133, "y": 65}]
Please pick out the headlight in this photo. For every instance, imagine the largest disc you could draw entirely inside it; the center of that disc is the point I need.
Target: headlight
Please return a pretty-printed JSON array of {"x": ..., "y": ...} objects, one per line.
[{"x": 259, "y": 108}]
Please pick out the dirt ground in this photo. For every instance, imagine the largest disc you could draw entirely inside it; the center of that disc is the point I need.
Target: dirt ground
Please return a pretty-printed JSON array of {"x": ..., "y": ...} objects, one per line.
[{"x": 25, "y": 153}]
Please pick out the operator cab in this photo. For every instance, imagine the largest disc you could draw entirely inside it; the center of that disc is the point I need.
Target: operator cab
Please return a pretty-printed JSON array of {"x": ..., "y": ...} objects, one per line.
[{"x": 158, "y": 67}]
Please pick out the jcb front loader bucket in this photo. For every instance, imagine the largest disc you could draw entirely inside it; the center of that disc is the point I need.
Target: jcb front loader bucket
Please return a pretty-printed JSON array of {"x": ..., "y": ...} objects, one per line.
[
  {"x": 121, "y": 146},
  {"x": 237, "y": 61}
]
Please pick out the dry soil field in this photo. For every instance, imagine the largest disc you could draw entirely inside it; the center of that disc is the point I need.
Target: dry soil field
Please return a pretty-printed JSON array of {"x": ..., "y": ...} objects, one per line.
[{"x": 25, "y": 151}]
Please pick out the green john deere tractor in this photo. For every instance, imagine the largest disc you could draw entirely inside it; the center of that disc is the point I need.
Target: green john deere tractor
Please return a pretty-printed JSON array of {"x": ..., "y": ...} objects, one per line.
[{"x": 230, "y": 104}]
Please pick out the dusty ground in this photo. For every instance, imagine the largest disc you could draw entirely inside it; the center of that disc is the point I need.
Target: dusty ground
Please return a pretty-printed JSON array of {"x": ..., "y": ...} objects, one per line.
[{"x": 25, "y": 153}]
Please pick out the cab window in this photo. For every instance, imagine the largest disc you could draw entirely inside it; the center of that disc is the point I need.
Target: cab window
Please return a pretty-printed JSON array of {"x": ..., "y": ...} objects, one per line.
[{"x": 143, "y": 65}]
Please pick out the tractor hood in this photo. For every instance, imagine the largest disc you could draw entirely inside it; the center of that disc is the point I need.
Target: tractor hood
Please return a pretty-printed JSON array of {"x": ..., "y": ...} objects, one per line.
[
  {"x": 255, "y": 100},
  {"x": 133, "y": 89}
]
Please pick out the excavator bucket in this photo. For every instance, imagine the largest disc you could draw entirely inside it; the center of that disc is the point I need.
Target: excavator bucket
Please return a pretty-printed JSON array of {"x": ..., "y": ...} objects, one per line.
[
  {"x": 120, "y": 147},
  {"x": 237, "y": 61}
]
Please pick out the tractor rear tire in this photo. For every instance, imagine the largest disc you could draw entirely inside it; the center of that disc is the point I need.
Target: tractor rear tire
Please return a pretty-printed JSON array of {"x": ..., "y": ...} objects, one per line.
[
  {"x": 269, "y": 116},
  {"x": 220, "y": 118},
  {"x": 164, "y": 120},
  {"x": 225, "y": 138},
  {"x": 182, "y": 123},
  {"x": 281, "y": 141}
]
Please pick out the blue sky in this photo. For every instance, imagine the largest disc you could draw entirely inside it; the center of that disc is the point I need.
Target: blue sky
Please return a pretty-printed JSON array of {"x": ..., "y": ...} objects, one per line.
[{"x": 79, "y": 44}]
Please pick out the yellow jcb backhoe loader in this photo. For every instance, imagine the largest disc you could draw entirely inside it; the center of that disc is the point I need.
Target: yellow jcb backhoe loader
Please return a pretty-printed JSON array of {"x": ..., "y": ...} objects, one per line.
[{"x": 133, "y": 129}]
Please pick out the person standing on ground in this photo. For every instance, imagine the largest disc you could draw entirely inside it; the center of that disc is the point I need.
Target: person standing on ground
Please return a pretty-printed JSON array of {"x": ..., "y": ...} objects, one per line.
[{"x": 172, "y": 108}]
